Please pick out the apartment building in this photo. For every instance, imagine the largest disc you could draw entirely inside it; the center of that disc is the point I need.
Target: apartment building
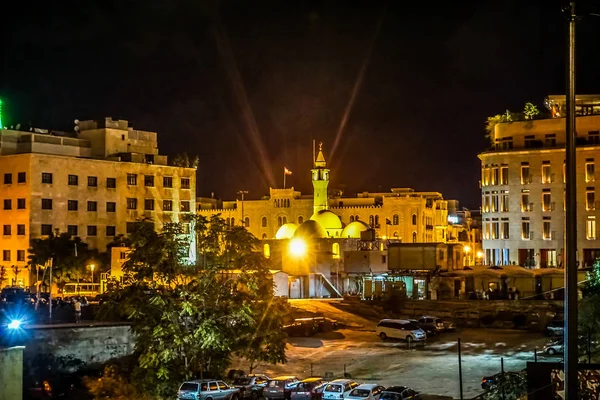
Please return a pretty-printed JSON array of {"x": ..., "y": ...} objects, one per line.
[
  {"x": 523, "y": 188},
  {"x": 93, "y": 184}
]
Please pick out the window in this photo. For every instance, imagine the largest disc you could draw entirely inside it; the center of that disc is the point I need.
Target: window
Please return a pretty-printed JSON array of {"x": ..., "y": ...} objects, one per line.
[
  {"x": 111, "y": 206},
  {"x": 504, "y": 175},
  {"x": 149, "y": 204},
  {"x": 547, "y": 229},
  {"x": 46, "y": 229},
  {"x": 167, "y": 205},
  {"x": 46, "y": 204},
  {"x": 504, "y": 201},
  {"x": 441, "y": 255},
  {"x": 505, "y": 229},
  {"x": 72, "y": 230},
  {"x": 525, "y": 177},
  {"x": 590, "y": 228},
  {"x": 495, "y": 176},
  {"x": 414, "y": 237},
  {"x": 395, "y": 219},
  {"x": 495, "y": 207},
  {"x": 371, "y": 221},
  {"x": 525, "y": 205},
  {"x": 335, "y": 249},
  {"x": 111, "y": 183},
  {"x": 21, "y": 204},
  {"x": 486, "y": 202},
  {"x": 72, "y": 205},
  {"x": 263, "y": 222},
  {"x": 590, "y": 173},
  {"x": 7, "y": 179},
  {"x": 111, "y": 231},
  {"x": 550, "y": 140},
  {"x": 168, "y": 181},
  {"x": 546, "y": 172},
  {"x": 92, "y": 206},
  {"x": 149, "y": 180},
  {"x": 7, "y": 204},
  {"x": 22, "y": 177},
  {"x": 6, "y": 230},
  {"x": 20, "y": 255},
  {"x": 279, "y": 221},
  {"x": 525, "y": 229},
  {"x": 547, "y": 200},
  {"x": 5, "y": 255},
  {"x": 92, "y": 230},
  {"x": 73, "y": 180},
  {"x": 247, "y": 222},
  {"x": 21, "y": 229},
  {"x": 131, "y": 179},
  {"x": 129, "y": 227},
  {"x": 131, "y": 203},
  {"x": 529, "y": 141},
  {"x": 414, "y": 219},
  {"x": 300, "y": 220},
  {"x": 594, "y": 137},
  {"x": 495, "y": 229},
  {"x": 92, "y": 181},
  {"x": 185, "y": 206},
  {"x": 46, "y": 177},
  {"x": 185, "y": 183},
  {"x": 590, "y": 199}
]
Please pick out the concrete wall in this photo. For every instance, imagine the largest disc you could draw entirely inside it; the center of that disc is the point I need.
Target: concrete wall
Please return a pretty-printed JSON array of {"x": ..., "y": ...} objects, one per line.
[
  {"x": 11, "y": 373},
  {"x": 90, "y": 344}
]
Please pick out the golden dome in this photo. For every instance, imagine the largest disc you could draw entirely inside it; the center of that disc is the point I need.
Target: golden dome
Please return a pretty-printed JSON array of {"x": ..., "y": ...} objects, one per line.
[
  {"x": 327, "y": 219},
  {"x": 353, "y": 229},
  {"x": 310, "y": 230},
  {"x": 286, "y": 231}
]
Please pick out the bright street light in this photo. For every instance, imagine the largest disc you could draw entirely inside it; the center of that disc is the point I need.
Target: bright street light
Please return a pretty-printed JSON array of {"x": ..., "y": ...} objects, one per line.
[
  {"x": 298, "y": 247},
  {"x": 14, "y": 324},
  {"x": 92, "y": 266},
  {"x": 480, "y": 254},
  {"x": 467, "y": 249}
]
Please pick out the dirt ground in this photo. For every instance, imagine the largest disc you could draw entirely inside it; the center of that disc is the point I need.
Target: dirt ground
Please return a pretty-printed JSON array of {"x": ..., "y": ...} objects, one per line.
[{"x": 430, "y": 368}]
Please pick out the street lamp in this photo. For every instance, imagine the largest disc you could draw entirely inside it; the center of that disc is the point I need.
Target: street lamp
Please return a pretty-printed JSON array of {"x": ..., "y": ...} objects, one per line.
[
  {"x": 480, "y": 255},
  {"x": 92, "y": 266},
  {"x": 298, "y": 247},
  {"x": 467, "y": 250}
]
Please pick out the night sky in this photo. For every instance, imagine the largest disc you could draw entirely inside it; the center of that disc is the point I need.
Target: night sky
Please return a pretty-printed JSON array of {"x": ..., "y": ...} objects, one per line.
[{"x": 247, "y": 85}]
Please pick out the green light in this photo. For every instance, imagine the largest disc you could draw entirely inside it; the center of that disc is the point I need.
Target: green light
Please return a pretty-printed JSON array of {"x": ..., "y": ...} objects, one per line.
[{"x": 1, "y": 126}]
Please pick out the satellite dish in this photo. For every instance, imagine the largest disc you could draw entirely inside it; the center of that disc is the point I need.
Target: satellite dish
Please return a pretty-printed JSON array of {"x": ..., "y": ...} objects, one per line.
[{"x": 76, "y": 121}]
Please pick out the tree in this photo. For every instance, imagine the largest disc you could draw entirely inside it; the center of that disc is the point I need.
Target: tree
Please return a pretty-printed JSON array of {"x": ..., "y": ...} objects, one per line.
[
  {"x": 184, "y": 160},
  {"x": 70, "y": 256},
  {"x": 491, "y": 123},
  {"x": 589, "y": 306},
  {"x": 3, "y": 275},
  {"x": 190, "y": 320},
  {"x": 530, "y": 111}
]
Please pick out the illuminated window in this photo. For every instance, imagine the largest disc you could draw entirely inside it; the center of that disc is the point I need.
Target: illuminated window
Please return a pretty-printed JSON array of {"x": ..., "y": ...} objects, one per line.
[
  {"x": 590, "y": 199},
  {"x": 546, "y": 172},
  {"x": 131, "y": 203},
  {"x": 525, "y": 204},
  {"x": 495, "y": 207},
  {"x": 551, "y": 260},
  {"x": 590, "y": 228},
  {"x": 279, "y": 221},
  {"x": 590, "y": 173},
  {"x": 264, "y": 222},
  {"x": 266, "y": 249},
  {"x": 525, "y": 229},
  {"x": 505, "y": 229},
  {"x": 131, "y": 179},
  {"x": 547, "y": 229},
  {"x": 525, "y": 176},
  {"x": 335, "y": 249},
  {"x": 504, "y": 175},
  {"x": 414, "y": 220},
  {"x": 504, "y": 201},
  {"x": 547, "y": 204},
  {"x": 167, "y": 205},
  {"x": 414, "y": 237},
  {"x": 264, "y": 236},
  {"x": 377, "y": 220},
  {"x": 495, "y": 228},
  {"x": 284, "y": 220},
  {"x": 395, "y": 219},
  {"x": 185, "y": 206}
]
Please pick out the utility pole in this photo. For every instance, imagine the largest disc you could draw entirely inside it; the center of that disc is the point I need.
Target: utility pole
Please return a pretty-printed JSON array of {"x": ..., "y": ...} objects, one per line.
[
  {"x": 571, "y": 297},
  {"x": 243, "y": 192}
]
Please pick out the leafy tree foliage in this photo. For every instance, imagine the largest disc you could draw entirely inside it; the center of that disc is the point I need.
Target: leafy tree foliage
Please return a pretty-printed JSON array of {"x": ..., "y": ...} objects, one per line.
[
  {"x": 190, "y": 320},
  {"x": 530, "y": 111},
  {"x": 589, "y": 306},
  {"x": 71, "y": 256}
]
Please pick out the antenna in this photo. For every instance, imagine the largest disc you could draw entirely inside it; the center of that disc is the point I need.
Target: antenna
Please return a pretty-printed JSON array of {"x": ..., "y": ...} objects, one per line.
[{"x": 314, "y": 157}]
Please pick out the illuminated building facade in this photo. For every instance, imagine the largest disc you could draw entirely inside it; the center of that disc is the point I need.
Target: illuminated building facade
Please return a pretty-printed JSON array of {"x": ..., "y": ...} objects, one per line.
[
  {"x": 92, "y": 184},
  {"x": 523, "y": 188}
]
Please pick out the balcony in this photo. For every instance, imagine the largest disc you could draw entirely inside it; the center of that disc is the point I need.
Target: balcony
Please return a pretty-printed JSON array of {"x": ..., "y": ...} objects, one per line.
[
  {"x": 526, "y": 180},
  {"x": 548, "y": 207},
  {"x": 527, "y": 207}
]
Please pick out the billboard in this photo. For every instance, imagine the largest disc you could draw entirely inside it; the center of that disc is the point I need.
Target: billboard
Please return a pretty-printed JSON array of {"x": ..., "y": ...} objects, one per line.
[{"x": 412, "y": 256}]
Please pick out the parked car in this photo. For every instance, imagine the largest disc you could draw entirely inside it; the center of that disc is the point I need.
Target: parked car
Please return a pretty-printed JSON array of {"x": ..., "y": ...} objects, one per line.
[
  {"x": 400, "y": 329},
  {"x": 326, "y": 324},
  {"x": 399, "y": 393},
  {"x": 366, "y": 391},
  {"x": 487, "y": 382},
  {"x": 302, "y": 327},
  {"x": 207, "y": 389},
  {"x": 429, "y": 331},
  {"x": 280, "y": 387},
  {"x": 555, "y": 328},
  {"x": 338, "y": 389},
  {"x": 309, "y": 389},
  {"x": 558, "y": 346},
  {"x": 251, "y": 386}
]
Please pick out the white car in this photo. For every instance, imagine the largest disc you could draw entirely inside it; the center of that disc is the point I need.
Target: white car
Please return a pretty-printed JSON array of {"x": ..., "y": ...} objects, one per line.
[
  {"x": 366, "y": 391},
  {"x": 400, "y": 329},
  {"x": 338, "y": 389}
]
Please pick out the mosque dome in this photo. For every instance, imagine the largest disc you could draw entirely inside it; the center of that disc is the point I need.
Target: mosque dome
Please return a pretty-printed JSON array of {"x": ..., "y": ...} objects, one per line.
[
  {"x": 353, "y": 229},
  {"x": 286, "y": 231},
  {"x": 310, "y": 230},
  {"x": 327, "y": 219}
]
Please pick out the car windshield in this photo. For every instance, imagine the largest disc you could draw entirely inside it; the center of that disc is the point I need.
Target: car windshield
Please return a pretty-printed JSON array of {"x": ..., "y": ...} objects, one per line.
[
  {"x": 334, "y": 388},
  {"x": 189, "y": 387},
  {"x": 242, "y": 381},
  {"x": 389, "y": 396},
  {"x": 276, "y": 384},
  {"x": 411, "y": 327},
  {"x": 360, "y": 393}
]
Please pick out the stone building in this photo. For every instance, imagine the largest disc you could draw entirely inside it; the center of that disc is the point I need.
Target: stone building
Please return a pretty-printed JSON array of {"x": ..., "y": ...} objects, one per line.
[
  {"x": 523, "y": 188},
  {"x": 92, "y": 184}
]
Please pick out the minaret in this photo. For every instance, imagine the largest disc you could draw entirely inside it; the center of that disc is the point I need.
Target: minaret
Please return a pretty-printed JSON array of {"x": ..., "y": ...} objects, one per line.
[{"x": 320, "y": 181}]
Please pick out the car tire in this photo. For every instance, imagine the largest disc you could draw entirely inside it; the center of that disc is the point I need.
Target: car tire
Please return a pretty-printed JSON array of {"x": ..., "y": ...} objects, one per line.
[
  {"x": 383, "y": 336},
  {"x": 409, "y": 339},
  {"x": 551, "y": 352}
]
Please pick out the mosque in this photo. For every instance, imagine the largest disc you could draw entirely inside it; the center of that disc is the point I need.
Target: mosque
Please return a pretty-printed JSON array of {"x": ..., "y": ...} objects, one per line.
[{"x": 330, "y": 245}]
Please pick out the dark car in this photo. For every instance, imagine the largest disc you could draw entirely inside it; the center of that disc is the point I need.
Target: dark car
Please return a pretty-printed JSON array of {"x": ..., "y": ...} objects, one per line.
[
  {"x": 302, "y": 327},
  {"x": 251, "y": 385},
  {"x": 280, "y": 387},
  {"x": 429, "y": 330},
  {"x": 555, "y": 328},
  {"x": 308, "y": 389},
  {"x": 326, "y": 324},
  {"x": 487, "y": 382},
  {"x": 399, "y": 393}
]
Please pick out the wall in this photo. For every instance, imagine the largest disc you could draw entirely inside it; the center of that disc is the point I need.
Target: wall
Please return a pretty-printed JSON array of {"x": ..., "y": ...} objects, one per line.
[
  {"x": 11, "y": 373},
  {"x": 90, "y": 344}
]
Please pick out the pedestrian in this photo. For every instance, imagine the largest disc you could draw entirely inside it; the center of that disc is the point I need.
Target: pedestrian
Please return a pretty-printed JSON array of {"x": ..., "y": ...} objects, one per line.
[{"x": 77, "y": 306}]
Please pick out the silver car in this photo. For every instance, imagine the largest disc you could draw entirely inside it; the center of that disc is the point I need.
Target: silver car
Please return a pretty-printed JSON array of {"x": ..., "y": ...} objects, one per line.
[{"x": 207, "y": 389}]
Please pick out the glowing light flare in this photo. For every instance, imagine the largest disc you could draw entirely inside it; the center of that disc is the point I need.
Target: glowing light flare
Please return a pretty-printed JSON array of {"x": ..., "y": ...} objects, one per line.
[
  {"x": 298, "y": 247},
  {"x": 14, "y": 324},
  {"x": 467, "y": 249},
  {"x": 480, "y": 254}
]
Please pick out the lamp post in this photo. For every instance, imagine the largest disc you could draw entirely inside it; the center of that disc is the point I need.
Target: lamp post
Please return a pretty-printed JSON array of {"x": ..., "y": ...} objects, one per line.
[
  {"x": 92, "y": 266},
  {"x": 467, "y": 250},
  {"x": 243, "y": 192}
]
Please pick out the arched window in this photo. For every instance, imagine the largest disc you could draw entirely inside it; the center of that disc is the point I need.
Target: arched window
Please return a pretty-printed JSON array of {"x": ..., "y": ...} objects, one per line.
[
  {"x": 228, "y": 221},
  {"x": 395, "y": 219},
  {"x": 275, "y": 203},
  {"x": 395, "y": 234},
  {"x": 414, "y": 237},
  {"x": 264, "y": 236},
  {"x": 284, "y": 220},
  {"x": 288, "y": 202},
  {"x": 264, "y": 222},
  {"x": 371, "y": 221},
  {"x": 335, "y": 249},
  {"x": 352, "y": 218},
  {"x": 356, "y": 218},
  {"x": 247, "y": 222},
  {"x": 414, "y": 219},
  {"x": 267, "y": 250},
  {"x": 279, "y": 221},
  {"x": 232, "y": 221},
  {"x": 377, "y": 220},
  {"x": 300, "y": 220}
]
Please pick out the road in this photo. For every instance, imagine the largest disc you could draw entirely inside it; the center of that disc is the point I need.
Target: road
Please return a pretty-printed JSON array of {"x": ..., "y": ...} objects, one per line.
[{"x": 431, "y": 368}]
